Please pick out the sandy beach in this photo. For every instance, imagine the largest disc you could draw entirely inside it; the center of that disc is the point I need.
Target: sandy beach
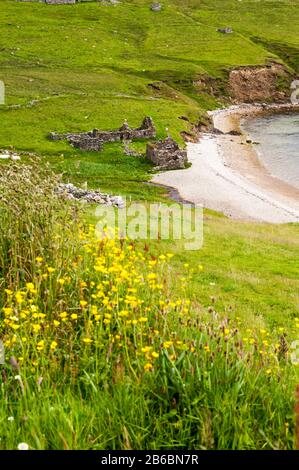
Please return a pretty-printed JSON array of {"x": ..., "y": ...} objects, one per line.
[{"x": 227, "y": 176}]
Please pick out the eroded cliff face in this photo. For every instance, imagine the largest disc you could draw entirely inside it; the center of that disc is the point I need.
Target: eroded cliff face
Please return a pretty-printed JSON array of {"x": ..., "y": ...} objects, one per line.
[{"x": 269, "y": 83}]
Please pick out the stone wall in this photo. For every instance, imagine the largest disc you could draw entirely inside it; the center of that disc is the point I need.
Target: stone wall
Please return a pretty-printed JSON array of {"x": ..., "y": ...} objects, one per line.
[
  {"x": 86, "y": 143},
  {"x": 167, "y": 155},
  {"x": 94, "y": 140}
]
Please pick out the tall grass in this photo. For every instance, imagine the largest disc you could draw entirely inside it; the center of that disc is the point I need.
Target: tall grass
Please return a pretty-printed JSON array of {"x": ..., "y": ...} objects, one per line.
[
  {"x": 32, "y": 217},
  {"x": 103, "y": 353}
]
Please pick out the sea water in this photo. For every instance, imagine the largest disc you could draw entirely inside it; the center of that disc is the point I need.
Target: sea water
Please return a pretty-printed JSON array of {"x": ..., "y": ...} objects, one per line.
[{"x": 278, "y": 144}]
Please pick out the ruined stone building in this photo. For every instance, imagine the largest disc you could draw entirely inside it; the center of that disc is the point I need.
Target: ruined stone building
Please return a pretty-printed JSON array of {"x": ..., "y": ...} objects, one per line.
[{"x": 94, "y": 140}]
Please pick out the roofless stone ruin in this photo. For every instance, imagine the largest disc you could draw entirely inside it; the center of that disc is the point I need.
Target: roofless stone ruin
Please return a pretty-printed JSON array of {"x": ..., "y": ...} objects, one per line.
[{"x": 94, "y": 140}]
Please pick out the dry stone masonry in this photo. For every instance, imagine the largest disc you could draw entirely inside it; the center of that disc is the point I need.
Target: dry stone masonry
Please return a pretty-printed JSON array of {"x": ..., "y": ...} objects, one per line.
[
  {"x": 167, "y": 155},
  {"x": 94, "y": 140},
  {"x": 164, "y": 154}
]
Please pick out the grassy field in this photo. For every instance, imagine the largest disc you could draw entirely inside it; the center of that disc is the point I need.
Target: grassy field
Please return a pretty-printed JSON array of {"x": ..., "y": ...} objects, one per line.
[{"x": 73, "y": 68}]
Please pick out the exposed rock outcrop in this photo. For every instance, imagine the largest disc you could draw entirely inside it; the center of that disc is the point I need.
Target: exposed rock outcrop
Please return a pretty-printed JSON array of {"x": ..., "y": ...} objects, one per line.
[{"x": 260, "y": 84}]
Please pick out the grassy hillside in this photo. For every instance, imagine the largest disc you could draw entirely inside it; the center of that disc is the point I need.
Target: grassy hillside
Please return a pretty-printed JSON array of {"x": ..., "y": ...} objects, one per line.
[{"x": 75, "y": 67}]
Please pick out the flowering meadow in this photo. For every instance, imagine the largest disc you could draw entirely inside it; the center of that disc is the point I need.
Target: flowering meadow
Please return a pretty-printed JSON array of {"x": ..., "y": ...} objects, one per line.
[{"x": 103, "y": 350}]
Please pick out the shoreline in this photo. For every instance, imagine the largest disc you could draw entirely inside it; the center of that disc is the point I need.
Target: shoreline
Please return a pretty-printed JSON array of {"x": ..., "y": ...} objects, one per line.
[{"x": 227, "y": 175}]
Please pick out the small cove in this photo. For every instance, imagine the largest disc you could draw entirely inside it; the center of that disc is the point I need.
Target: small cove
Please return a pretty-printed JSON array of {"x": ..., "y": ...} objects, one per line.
[{"x": 278, "y": 144}]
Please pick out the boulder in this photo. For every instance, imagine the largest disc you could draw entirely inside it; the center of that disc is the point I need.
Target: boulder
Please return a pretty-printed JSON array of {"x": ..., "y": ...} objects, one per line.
[
  {"x": 156, "y": 6},
  {"x": 225, "y": 30}
]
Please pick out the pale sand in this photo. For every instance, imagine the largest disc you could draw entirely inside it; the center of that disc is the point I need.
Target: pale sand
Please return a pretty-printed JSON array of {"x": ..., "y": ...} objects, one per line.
[{"x": 227, "y": 176}]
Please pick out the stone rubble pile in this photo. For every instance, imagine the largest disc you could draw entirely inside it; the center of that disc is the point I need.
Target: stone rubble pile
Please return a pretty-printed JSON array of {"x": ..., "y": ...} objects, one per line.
[
  {"x": 9, "y": 156},
  {"x": 70, "y": 191}
]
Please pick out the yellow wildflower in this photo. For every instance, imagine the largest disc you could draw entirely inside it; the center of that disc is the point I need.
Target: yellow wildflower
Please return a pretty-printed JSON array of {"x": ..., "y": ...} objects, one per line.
[
  {"x": 36, "y": 327},
  {"x": 143, "y": 319},
  {"x": 19, "y": 297},
  {"x": 87, "y": 340},
  {"x": 40, "y": 345},
  {"x": 151, "y": 276},
  {"x": 30, "y": 287},
  {"x": 7, "y": 310},
  {"x": 53, "y": 345}
]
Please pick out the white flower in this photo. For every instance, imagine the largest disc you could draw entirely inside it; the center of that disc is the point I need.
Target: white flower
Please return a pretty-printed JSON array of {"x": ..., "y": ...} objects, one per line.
[
  {"x": 23, "y": 446},
  {"x": 10, "y": 418}
]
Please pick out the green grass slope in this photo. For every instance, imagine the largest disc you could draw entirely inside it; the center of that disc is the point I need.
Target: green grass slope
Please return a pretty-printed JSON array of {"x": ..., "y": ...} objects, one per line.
[{"x": 75, "y": 67}]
